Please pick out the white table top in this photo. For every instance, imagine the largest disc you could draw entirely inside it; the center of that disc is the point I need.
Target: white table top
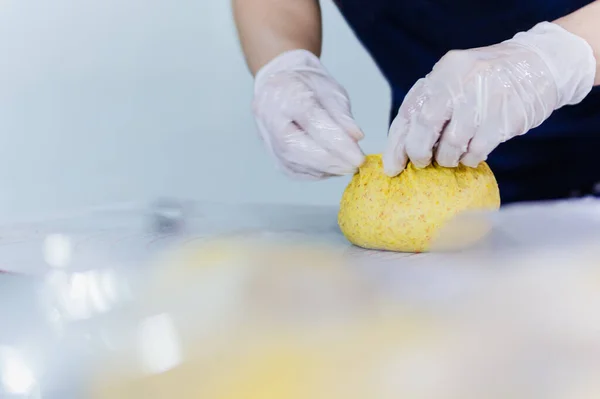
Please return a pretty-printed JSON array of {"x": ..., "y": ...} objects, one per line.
[{"x": 131, "y": 233}]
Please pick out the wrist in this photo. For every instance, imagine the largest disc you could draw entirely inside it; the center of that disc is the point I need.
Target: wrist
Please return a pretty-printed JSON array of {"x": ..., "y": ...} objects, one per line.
[
  {"x": 569, "y": 58},
  {"x": 292, "y": 60}
]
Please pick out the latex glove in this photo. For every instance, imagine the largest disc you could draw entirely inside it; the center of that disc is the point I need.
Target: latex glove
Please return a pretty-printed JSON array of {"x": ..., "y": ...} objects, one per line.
[
  {"x": 473, "y": 100},
  {"x": 304, "y": 118}
]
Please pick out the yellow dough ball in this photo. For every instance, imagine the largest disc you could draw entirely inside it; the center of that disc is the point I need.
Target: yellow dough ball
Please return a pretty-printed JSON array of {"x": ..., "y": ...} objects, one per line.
[{"x": 406, "y": 213}]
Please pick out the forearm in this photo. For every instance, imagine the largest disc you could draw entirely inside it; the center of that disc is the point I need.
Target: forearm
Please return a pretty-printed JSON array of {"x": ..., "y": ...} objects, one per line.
[
  {"x": 585, "y": 23},
  {"x": 268, "y": 28}
]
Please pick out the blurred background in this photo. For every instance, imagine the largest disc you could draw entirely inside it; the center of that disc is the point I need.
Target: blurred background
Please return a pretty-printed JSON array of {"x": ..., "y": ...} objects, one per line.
[{"x": 105, "y": 101}]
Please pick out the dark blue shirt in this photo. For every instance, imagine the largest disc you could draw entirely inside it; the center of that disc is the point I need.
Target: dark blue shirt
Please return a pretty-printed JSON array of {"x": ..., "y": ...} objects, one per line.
[{"x": 407, "y": 37}]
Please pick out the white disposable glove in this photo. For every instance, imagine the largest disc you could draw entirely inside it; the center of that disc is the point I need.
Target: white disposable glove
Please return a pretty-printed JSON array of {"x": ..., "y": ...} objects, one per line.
[
  {"x": 475, "y": 99},
  {"x": 304, "y": 118}
]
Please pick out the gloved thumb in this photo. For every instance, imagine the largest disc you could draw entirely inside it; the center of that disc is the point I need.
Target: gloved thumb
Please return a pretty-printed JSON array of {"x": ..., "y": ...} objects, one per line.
[
  {"x": 349, "y": 125},
  {"x": 339, "y": 110}
]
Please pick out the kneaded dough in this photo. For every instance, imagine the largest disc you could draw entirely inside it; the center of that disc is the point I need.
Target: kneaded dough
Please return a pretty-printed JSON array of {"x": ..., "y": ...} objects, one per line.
[{"x": 405, "y": 213}]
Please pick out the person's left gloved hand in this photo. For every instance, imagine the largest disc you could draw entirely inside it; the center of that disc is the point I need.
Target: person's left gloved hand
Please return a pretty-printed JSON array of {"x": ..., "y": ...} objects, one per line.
[{"x": 475, "y": 99}]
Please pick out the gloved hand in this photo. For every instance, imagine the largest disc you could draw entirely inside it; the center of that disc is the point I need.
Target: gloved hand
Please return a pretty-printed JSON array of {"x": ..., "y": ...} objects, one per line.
[
  {"x": 475, "y": 99},
  {"x": 304, "y": 118}
]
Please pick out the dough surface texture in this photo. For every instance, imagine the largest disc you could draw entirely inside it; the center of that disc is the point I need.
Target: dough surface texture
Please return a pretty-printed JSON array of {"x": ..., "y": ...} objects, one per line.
[{"x": 405, "y": 213}]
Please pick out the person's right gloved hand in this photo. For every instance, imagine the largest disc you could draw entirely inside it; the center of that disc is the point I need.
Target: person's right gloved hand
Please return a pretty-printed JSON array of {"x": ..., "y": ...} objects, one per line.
[{"x": 304, "y": 118}]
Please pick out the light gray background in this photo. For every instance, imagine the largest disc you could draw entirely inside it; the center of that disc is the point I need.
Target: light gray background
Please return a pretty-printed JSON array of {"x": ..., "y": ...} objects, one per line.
[{"x": 105, "y": 101}]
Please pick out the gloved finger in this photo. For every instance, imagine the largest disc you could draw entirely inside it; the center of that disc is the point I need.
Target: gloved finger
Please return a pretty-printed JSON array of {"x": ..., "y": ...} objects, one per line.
[
  {"x": 426, "y": 127},
  {"x": 486, "y": 139},
  {"x": 454, "y": 141},
  {"x": 281, "y": 145},
  {"x": 394, "y": 156},
  {"x": 267, "y": 138},
  {"x": 300, "y": 172},
  {"x": 328, "y": 134},
  {"x": 337, "y": 105},
  {"x": 301, "y": 153}
]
